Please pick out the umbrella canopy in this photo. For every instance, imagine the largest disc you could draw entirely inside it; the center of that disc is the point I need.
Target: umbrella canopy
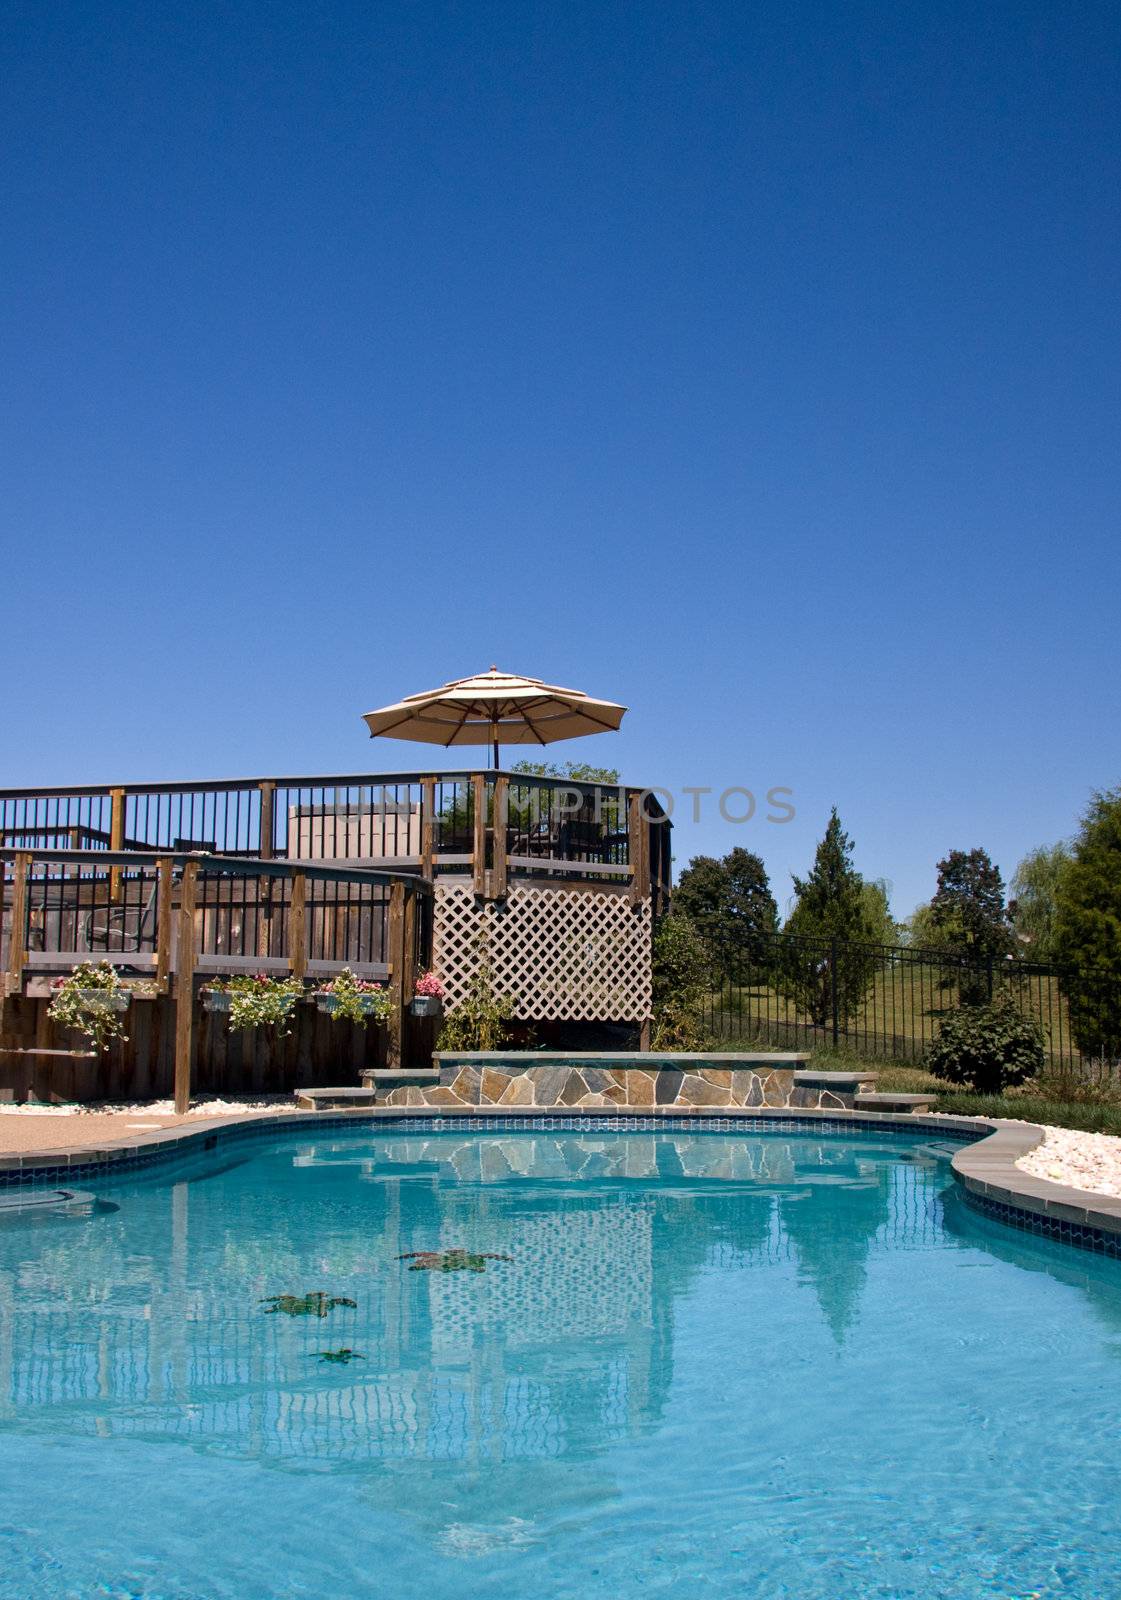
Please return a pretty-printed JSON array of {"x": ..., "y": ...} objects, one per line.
[{"x": 495, "y": 708}]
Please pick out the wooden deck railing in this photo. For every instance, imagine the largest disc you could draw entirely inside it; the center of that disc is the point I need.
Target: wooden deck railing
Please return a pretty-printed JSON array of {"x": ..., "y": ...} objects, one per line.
[
  {"x": 492, "y": 826},
  {"x": 174, "y": 917}
]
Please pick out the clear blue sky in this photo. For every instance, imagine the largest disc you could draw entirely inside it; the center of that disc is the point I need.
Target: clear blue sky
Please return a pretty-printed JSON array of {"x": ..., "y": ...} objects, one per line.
[{"x": 755, "y": 365}]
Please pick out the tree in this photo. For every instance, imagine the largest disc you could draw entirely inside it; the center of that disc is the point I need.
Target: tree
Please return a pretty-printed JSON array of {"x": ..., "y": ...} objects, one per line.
[
  {"x": 680, "y": 984},
  {"x": 969, "y": 913},
  {"x": 1035, "y": 890},
  {"x": 578, "y": 771},
  {"x": 832, "y": 962},
  {"x": 729, "y": 902},
  {"x": 1087, "y": 933}
]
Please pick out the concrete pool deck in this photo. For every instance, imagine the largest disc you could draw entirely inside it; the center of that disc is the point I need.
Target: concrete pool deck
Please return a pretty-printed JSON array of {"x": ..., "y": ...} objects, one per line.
[{"x": 54, "y": 1148}]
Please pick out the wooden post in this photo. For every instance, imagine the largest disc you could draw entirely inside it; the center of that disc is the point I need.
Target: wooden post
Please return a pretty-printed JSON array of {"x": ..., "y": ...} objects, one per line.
[
  {"x": 163, "y": 923},
  {"x": 185, "y": 988},
  {"x": 397, "y": 968},
  {"x": 16, "y": 945},
  {"x": 638, "y": 841},
  {"x": 297, "y": 926},
  {"x": 479, "y": 855},
  {"x": 498, "y": 844},
  {"x": 267, "y": 842},
  {"x": 266, "y": 845},
  {"x": 116, "y": 839},
  {"x": 427, "y": 827}
]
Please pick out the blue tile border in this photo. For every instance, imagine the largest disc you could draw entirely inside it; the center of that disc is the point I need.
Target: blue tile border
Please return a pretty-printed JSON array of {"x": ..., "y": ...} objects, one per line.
[{"x": 1081, "y": 1236}]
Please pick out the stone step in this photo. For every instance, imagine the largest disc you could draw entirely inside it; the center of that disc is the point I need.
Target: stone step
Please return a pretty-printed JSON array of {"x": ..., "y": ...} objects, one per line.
[
  {"x": 334, "y": 1099},
  {"x": 809, "y": 1078},
  {"x": 395, "y": 1077},
  {"x": 894, "y": 1102}
]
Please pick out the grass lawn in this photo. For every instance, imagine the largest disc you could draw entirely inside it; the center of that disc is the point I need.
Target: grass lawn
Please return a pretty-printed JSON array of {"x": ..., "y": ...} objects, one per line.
[{"x": 1097, "y": 1110}]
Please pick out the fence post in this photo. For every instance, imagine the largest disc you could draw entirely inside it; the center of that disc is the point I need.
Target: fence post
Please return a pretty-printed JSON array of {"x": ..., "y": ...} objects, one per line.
[
  {"x": 297, "y": 927},
  {"x": 185, "y": 988},
  {"x": 267, "y": 842},
  {"x": 116, "y": 839},
  {"x": 396, "y": 940},
  {"x": 833, "y": 995},
  {"x": 17, "y": 941},
  {"x": 498, "y": 846},
  {"x": 163, "y": 923},
  {"x": 479, "y": 854},
  {"x": 637, "y": 840},
  {"x": 427, "y": 826}
]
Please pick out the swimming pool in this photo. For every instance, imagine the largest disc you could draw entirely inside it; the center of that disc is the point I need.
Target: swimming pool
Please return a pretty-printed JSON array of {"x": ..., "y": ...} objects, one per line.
[{"x": 670, "y": 1363}]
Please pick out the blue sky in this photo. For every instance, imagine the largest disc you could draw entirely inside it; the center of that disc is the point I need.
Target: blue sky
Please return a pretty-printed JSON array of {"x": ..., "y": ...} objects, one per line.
[{"x": 757, "y": 366}]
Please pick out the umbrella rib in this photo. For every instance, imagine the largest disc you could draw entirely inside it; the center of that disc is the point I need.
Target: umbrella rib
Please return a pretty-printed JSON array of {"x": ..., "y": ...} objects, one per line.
[{"x": 458, "y": 729}]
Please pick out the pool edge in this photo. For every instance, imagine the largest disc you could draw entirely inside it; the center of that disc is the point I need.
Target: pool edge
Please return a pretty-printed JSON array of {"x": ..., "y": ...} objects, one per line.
[{"x": 984, "y": 1168}]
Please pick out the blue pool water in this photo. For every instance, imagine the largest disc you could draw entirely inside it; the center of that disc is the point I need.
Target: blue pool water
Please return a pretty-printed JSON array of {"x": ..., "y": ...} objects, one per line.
[{"x": 751, "y": 1365}]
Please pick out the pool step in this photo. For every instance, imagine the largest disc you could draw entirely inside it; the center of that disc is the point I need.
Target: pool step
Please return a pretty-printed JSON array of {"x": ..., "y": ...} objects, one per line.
[
  {"x": 347, "y": 1099},
  {"x": 887, "y": 1101}
]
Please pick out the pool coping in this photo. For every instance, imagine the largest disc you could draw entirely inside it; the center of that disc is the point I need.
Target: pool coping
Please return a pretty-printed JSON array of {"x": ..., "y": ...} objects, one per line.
[{"x": 984, "y": 1167}]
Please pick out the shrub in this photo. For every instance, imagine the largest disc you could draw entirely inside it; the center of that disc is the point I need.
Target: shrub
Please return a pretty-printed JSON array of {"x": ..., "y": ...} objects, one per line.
[
  {"x": 680, "y": 975},
  {"x": 481, "y": 1019},
  {"x": 987, "y": 1048}
]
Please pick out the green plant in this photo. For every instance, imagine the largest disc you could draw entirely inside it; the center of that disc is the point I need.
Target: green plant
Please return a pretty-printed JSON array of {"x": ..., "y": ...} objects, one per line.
[
  {"x": 1035, "y": 889},
  {"x": 969, "y": 913},
  {"x": 263, "y": 1002},
  {"x": 831, "y": 972},
  {"x": 987, "y": 1048},
  {"x": 357, "y": 1000},
  {"x": 680, "y": 985},
  {"x": 729, "y": 902},
  {"x": 480, "y": 1021},
  {"x": 87, "y": 1000},
  {"x": 1086, "y": 940}
]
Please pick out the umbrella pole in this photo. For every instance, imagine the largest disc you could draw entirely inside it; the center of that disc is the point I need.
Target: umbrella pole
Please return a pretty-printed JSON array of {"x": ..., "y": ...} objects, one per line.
[{"x": 494, "y": 724}]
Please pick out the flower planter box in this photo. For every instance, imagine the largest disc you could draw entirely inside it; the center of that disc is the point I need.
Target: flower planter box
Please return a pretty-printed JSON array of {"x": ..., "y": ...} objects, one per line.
[
  {"x": 105, "y": 999},
  {"x": 426, "y": 1005},
  {"x": 367, "y": 1004},
  {"x": 216, "y": 1000}
]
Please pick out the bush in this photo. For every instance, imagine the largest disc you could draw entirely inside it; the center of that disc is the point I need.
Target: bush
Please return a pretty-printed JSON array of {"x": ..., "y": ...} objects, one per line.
[
  {"x": 987, "y": 1048},
  {"x": 481, "y": 1020},
  {"x": 680, "y": 985}
]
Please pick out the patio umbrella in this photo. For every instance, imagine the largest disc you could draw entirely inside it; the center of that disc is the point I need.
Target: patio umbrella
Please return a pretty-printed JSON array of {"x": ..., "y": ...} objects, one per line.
[{"x": 495, "y": 708}]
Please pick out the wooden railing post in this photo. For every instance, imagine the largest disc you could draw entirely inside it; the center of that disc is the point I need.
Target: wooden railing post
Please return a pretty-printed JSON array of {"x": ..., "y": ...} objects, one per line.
[
  {"x": 297, "y": 926},
  {"x": 163, "y": 923},
  {"x": 638, "y": 849},
  {"x": 395, "y": 938},
  {"x": 17, "y": 943},
  {"x": 498, "y": 837},
  {"x": 479, "y": 854},
  {"x": 427, "y": 827},
  {"x": 185, "y": 988},
  {"x": 267, "y": 843},
  {"x": 116, "y": 839}
]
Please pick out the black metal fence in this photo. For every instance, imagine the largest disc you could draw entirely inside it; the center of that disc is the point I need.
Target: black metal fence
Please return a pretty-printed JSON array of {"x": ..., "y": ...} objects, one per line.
[{"x": 881, "y": 1002}]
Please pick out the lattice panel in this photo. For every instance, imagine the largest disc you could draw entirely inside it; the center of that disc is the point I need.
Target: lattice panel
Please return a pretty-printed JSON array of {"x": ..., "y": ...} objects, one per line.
[{"x": 566, "y": 955}]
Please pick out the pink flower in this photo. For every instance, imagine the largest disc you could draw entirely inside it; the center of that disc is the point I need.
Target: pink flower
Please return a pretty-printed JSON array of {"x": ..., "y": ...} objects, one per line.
[{"x": 429, "y": 985}]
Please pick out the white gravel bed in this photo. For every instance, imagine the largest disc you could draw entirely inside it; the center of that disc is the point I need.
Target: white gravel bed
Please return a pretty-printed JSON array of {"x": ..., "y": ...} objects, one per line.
[
  {"x": 1089, "y": 1161},
  {"x": 150, "y": 1108}
]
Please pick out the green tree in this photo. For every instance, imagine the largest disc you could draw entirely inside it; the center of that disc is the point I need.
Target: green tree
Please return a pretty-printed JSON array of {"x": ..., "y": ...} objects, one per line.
[
  {"x": 1087, "y": 933},
  {"x": 969, "y": 913},
  {"x": 578, "y": 771},
  {"x": 680, "y": 985},
  {"x": 729, "y": 902},
  {"x": 832, "y": 962},
  {"x": 1034, "y": 903}
]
